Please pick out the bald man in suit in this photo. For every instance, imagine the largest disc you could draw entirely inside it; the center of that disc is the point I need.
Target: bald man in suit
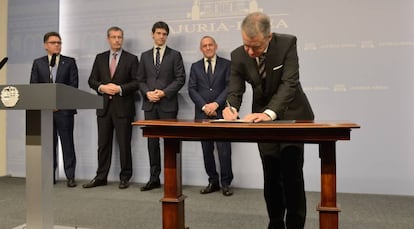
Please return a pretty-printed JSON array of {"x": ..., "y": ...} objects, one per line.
[
  {"x": 161, "y": 75},
  {"x": 207, "y": 87},
  {"x": 56, "y": 68}
]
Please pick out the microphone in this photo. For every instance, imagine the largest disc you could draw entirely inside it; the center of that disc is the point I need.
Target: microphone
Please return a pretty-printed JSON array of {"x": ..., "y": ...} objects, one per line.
[
  {"x": 53, "y": 60},
  {"x": 3, "y": 62}
]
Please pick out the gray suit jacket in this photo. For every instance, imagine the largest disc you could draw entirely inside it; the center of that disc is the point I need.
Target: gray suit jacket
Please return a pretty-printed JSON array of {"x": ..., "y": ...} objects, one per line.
[
  {"x": 283, "y": 92},
  {"x": 170, "y": 79}
]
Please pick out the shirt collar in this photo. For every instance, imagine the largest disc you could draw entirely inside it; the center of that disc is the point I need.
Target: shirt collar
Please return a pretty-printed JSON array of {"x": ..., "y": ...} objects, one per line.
[{"x": 213, "y": 59}]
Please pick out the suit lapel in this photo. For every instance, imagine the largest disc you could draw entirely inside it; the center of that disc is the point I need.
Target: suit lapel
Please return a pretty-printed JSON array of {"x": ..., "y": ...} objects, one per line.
[{"x": 106, "y": 64}]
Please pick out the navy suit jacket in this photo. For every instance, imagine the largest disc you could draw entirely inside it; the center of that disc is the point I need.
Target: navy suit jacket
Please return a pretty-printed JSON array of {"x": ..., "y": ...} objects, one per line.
[
  {"x": 125, "y": 75},
  {"x": 67, "y": 73},
  {"x": 170, "y": 79},
  {"x": 202, "y": 90},
  {"x": 283, "y": 92}
]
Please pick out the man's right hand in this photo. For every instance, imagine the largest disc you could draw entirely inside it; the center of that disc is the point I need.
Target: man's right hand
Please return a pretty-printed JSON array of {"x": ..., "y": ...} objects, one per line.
[{"x": 230, "y": 113}]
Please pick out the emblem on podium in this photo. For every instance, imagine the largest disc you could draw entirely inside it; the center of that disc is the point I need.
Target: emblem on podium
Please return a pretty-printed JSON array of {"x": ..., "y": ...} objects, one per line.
[{"x": 9, "y": 96}]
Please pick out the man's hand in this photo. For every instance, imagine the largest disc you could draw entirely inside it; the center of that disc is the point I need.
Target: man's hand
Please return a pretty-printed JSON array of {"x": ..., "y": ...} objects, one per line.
[
  {"x": 152, "y": 96},
  {"x": 230, "y": 113},
  {"x": 110, "y": 89},
  {"x": 257, "y": 117},
  {"x": 155, "y": 95},
  {"x": 210, "y": 109}
]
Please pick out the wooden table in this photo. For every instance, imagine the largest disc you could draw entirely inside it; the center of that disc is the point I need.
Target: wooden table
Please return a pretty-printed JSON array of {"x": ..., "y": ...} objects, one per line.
[{"x": 175, "y": 131}]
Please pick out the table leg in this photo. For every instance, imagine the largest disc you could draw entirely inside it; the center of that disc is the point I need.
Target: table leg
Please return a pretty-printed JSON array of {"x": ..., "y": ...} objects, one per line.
[
  {"x": 328, "y": 209},
  {"x": 173, "y": 200}
]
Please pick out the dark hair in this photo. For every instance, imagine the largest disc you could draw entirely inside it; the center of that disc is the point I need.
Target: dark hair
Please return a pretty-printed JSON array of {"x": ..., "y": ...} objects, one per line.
[
  {"x": 160, "y": 25},
  {"x": 50, "y": 34},
  {"x": 114, "y": 28}
]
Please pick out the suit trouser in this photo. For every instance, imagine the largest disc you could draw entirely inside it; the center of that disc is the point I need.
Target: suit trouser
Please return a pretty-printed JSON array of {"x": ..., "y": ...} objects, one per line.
[
  {"x": 123, "y": 133},
  {"x": 224, "y": 154},
  {"x": 154, "y": 143},
  {"x": 284, "y": 190},
  {"x": 63, "y": 126}
]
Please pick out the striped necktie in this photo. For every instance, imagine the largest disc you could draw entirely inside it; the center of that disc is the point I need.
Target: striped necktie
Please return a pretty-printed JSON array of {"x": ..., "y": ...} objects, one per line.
[{"x": 261, "y": 66}]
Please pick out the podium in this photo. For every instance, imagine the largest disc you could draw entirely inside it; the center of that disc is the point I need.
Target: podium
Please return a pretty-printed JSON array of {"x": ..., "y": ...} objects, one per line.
[{"x": 39, "y": 101}]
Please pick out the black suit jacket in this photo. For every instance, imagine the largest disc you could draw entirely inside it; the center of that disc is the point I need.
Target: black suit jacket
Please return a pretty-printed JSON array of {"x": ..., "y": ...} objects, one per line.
[
  {"x": 283, "y": 92},
  {"x": 170, "y": 79},
  {"x": 125, "y": 75},
  {"x": 67, "y": 73},
  {"x": 203, "y": 91}
]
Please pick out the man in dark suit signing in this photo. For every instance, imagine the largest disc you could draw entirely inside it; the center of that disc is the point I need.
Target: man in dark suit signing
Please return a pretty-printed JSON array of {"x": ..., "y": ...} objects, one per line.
[
  {"x": 56, "y": 68},
  {"x": 161, "y": 75},
  {"x": 269, "y": 63},
  {"x": 114, "y": 77},
  {"x": 207, "y": 87}
]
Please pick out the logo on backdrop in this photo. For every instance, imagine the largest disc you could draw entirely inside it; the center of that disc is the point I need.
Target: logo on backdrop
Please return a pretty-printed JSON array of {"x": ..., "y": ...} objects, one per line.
[
  {"x": 221, "y": 16},
  {"x": 9, "y": 96}
]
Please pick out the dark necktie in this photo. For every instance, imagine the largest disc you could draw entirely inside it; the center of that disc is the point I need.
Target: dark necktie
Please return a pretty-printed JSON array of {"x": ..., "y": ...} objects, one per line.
[
  {"x": 261, "y": 66},
  {"x": 112, "y": 67},
  {"x": 209, "y": 70},
  {"x": 157, "y": 60}
]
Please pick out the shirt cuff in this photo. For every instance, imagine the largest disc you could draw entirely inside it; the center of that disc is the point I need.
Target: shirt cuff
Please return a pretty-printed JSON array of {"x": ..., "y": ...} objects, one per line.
[{"x": 271, "y": 114}]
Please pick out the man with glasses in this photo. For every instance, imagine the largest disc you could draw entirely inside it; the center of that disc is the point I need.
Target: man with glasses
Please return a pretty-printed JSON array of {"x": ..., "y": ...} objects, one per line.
[
  {"x": 56, "y": 68},
  {"x": 269, "y": 63}
]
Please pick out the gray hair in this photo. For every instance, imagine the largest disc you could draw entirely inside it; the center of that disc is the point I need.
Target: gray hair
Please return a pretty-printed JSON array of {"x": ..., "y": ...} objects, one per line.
[{"x": 255, "y": 23}]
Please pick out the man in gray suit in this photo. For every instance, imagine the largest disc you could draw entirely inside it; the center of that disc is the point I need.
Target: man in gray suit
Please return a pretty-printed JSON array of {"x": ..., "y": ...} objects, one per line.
[
  {"x": 269, "y": 63},
  {"x": 161, "y": 75}
]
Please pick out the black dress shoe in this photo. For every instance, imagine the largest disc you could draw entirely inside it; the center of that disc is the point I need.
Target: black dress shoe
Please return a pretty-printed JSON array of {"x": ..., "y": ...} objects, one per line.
[
  {"x": 227, "y": 191},
  {"x": 123, "y": 184},
  {"x": 211, "y": 187},
  {"x": 151, "y": 185},
  {"x": 94, "y": 183},
  {"x": 71, "y": 183}
]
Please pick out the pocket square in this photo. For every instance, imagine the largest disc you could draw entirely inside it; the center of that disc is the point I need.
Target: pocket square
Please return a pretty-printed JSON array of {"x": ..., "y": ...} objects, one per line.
[{"x": 277, "y": 67}]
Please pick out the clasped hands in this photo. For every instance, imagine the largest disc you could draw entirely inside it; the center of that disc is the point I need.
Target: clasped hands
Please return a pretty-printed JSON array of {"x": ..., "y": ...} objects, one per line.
[
  {"x": 110, "y": 88},
  {"x": 210, "y": 109},
  {"x": 155, "y": 95},
  {"x": 230, "y": 113}
]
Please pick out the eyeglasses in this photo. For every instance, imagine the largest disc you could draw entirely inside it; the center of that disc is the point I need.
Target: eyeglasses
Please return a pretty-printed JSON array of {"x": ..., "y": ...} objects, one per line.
[{"x": 54, "y": 42}]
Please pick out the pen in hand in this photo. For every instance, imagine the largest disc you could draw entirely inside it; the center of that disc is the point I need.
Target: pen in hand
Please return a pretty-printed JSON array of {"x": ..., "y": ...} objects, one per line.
[{"x": 229, "y": 106}]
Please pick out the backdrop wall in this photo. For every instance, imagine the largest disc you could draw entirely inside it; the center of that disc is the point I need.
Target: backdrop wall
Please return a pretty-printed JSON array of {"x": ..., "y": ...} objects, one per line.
[{"x": 356, "y": 64}]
